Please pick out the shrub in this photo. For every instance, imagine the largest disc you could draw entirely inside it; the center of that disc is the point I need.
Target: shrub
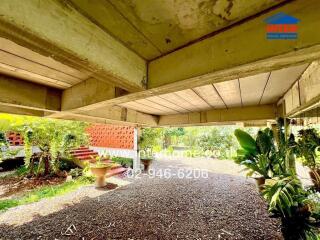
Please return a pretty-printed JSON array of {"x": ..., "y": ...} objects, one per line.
[{"x": 125, "y": 162}]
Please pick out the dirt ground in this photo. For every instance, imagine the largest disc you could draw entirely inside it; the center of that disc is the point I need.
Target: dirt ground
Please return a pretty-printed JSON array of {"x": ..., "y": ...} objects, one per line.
[
  {"x": 15, "y": 186},
  {"x": 166, "y": 204}
]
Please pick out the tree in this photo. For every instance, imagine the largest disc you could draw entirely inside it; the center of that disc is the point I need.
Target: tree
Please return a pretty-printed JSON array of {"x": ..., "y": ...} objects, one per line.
[
  {"x": 171, "y": 132},
  {"x": 217, "y": 140},
  {"x": 149, "y": 138},
  {"x": 55, "y": 139}
]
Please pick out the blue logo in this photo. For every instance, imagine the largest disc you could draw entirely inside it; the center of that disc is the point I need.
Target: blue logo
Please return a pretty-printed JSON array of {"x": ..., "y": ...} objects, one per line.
[{"x": 282, "y": 26}]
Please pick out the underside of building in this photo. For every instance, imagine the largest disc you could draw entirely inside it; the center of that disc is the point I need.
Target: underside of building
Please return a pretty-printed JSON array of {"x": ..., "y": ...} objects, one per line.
[{"x": 158, "y": 63}]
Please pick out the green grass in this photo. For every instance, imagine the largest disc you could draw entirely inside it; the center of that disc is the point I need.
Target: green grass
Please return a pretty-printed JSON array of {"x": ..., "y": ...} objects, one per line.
[{"x": 45, "y": 192}]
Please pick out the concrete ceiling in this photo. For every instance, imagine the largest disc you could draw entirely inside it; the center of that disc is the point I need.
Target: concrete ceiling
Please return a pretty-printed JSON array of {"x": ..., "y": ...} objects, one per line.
[
  {"x": 20, "y": 62},
  {"x": 260, "y": 89},
  {"x": 154, "y": 28},
  {"x": 144, "y": 61}
]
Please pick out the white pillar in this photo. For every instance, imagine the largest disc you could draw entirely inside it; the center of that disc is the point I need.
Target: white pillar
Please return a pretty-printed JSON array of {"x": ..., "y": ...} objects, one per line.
[{"x": 136, "y": 159}]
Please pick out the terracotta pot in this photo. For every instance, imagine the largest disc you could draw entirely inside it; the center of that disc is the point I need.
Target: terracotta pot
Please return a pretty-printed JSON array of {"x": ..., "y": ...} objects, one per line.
[
  {"x": 100, "y": 174},
  {"x": 260, "y": 181},
  {"x": 146, "y": 163}
]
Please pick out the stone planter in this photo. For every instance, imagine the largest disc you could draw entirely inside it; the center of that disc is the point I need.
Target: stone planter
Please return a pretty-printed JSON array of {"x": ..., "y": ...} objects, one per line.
[
  {"x": 315, "y": 178},
  {"x": 146, "y": 163},
  {"x": 100, "y": 173},
  {"x": 260, "y": 181}
]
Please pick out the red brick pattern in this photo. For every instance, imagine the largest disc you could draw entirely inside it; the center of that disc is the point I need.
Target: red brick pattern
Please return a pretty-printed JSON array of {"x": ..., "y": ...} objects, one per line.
[
  {"x": 14, "y": 139},
  {"x": 111, "y": 136}
]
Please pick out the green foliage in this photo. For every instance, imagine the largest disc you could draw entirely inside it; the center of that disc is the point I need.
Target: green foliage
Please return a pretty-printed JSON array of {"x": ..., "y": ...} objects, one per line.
[
  {"x": 283, "y": 194},
  {"x": 261, "y": 156},
  {"x": 247, "y": 142},
  {"x": 149, "y": 138},
  {"x": 217, "y": 141},
  {"x": 66, "y": 164},
  {"x": 45, "y": 192},
  {"x": 21, "y": 171},
  {"x": 307, "y": 147},
  {"x": 125, "y": 162},
  {"x": 76, "y": 172},
  {"x": 54, "y": 138},
  {"x": 299, "y": 212},
  {"x": 170, "y": 133}
]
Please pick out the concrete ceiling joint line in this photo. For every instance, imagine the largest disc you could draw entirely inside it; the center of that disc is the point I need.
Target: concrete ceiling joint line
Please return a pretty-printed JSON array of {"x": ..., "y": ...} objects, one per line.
[
  {"x": 163, "y": 105},
  {"x": 265, "y": 86},
  {"x": 168, "y": 100},
  {"x": 196, "y": 92},
  {"x": 220, "y": 96},
  {"x": 240, "y": 92},
  {"x": 297, "y": 80},
  {"x": 186, "y": 100}
]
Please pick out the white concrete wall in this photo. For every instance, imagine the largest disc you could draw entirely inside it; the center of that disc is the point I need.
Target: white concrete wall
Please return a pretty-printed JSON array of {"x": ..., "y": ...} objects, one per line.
[{"x": 117, "y": 152}]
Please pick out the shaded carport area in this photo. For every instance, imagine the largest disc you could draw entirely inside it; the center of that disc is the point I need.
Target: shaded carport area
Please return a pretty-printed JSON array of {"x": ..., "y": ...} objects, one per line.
[
  {"x": 217, "y": 206},
  {"x": 152, "y": 64}
]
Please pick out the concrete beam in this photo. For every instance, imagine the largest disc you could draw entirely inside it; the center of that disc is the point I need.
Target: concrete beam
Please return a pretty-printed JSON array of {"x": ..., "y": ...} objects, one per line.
[
  {"x": 240, "y": 51},
  {"x": 20, "y": 111},
  {"x": 54, "y": 28},
  {"x": 237, "y": 52},
  {"x": 216, "y": 116},
  {"x": 23, "y": 94},
  {"x": 85, "y": 93},
  {"x": 304, "y": 95},
  {"x": 114, "y": 114}
]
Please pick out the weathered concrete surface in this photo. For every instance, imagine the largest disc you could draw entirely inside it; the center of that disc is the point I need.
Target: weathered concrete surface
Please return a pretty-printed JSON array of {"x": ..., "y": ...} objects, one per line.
[
  {"x": 216, "y": 116},
  {"x": 242, "y": 45},
  {"x": 305, "y": 93},
  {"x": 56, "y": 29},
  {"x": 169, "y": 24},
  {"x": 18, "y": 93}
]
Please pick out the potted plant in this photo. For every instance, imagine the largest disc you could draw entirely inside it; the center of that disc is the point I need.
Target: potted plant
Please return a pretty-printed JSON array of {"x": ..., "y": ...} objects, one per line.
[
  {"x": 259, "y": 155},
  {"x": 99, "y": 169},
  {"x": 146, "y": 161}
]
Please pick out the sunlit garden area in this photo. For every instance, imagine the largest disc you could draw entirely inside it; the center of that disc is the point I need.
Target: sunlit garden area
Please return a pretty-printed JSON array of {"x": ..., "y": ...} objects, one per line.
[
  {"x": 160, "y": 120},
  {"x": 270, "y": 172}
]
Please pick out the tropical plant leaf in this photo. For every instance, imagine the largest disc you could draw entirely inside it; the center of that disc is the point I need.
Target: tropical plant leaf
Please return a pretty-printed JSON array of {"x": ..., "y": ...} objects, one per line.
[{"x": 246, "y": 141}]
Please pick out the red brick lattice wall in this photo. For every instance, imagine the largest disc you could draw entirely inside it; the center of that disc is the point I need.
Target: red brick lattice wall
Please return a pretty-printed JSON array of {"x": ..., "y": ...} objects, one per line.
[
  {"x": 14, "y": 139},
  {"x": 111, "y": 136}
]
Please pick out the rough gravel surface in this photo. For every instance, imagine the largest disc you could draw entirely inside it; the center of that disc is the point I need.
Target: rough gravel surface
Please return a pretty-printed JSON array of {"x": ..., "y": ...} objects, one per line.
[{"x": 220, "y": 206}]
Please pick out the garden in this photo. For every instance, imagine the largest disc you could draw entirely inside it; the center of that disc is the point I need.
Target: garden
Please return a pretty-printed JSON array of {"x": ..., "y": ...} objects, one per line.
[
  {"x": 269, "y": 155},
  {"x": 270, "y": 158},
  {"x": 43, "y": 166}
]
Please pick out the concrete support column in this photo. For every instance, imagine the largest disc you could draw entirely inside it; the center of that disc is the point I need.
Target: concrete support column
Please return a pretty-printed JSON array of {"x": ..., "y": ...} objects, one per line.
[{"x": 136, "y": 159}]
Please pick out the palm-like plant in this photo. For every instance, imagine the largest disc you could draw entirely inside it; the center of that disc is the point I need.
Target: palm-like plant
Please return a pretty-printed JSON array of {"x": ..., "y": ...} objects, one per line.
[
  {"x": 283, "y": 194},
  {"x": 260, "y": 155},
  {"x": 287, "y": 199}
]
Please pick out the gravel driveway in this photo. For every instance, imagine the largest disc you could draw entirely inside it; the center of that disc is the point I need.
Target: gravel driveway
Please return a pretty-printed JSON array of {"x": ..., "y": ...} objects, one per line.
[{"x": 215, "y": 206}]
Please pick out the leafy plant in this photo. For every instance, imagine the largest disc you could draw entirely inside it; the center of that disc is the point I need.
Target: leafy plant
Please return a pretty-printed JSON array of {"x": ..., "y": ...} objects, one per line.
[
  {"x": 261, "y": 155},
  {"x": 308, "y": 146},
  {"x": 283, "y": 194},
  {"x": 299, "y": 213},
  {"x": 76, "y": 172}
]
